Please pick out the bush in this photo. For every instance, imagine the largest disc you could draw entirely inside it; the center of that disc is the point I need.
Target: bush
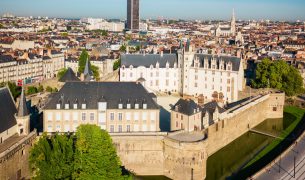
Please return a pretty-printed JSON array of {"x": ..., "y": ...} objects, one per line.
[
  {"x": 49, "y": 89},
  {"x": 32, "y": 90}
]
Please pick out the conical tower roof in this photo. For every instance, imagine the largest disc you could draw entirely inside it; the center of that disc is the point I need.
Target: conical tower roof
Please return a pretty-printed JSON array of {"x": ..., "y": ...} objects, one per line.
[
  {"x": 87, "y": 70},
  {"x": 22, "y": 108},
  {"x": 69, "y": 76}
]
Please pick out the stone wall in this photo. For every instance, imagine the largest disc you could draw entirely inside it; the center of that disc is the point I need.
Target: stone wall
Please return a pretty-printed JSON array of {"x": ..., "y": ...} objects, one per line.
[
  {"x": 158, "y": 154},
  {"x": 14, "y": 162},
  {"x": 238, "y": 121}
]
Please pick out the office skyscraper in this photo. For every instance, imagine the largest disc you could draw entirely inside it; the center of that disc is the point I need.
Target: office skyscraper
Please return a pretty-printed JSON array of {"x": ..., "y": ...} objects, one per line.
[{"x": 133, "y": 20}]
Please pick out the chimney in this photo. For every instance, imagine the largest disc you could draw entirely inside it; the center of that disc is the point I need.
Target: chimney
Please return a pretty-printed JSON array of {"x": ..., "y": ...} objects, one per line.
[{"x": 201, "y": 100}]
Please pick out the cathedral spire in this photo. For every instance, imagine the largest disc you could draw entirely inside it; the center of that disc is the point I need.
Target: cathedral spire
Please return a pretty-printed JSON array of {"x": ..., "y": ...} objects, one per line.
[{"x": 233, "y": 23}]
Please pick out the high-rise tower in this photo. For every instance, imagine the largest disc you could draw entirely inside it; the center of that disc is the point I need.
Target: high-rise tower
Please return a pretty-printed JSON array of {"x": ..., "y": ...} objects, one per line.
[
  {"x": 133, "y": 14},
  {"x": 233, "y": 24}
]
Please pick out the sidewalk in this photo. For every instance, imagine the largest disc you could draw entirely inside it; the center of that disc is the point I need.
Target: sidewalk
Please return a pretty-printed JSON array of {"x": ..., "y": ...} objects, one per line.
[{"x": 284, "y": 168}]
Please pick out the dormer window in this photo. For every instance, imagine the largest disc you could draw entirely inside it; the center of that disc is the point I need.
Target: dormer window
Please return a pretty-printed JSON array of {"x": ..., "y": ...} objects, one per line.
[
  {"x": 120, "y": 106},
  {"x": 57, "y": 106},
  {"x": 66, "y": 106},
  {"x": 167, "y": 65},
  {"x": 74, "y": 106},
  {"x": 128, "y": 106},
  {"x": 157, "y": 65},
  {"x": 84, "y": 106},
  {"x": 144, "y": 106},
  {"x": 136, "y": 106}
]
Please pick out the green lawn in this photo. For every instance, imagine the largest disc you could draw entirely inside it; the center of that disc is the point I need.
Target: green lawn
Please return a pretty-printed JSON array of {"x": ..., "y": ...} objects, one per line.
[{"x": 297, "y": 114}]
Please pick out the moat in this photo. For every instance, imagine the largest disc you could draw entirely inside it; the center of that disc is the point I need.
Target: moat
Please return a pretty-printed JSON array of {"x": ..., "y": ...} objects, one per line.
[{"x": 237, "y": 154}]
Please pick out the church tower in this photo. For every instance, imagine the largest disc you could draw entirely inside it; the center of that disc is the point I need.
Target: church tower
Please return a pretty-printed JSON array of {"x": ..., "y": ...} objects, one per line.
[
  {"x": 23, "y": 116},
  {"x": 233, "y": 24}
]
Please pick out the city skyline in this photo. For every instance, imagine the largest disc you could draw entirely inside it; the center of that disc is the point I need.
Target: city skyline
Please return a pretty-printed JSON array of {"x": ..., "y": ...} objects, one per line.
[{"x": 172, "y": 9}]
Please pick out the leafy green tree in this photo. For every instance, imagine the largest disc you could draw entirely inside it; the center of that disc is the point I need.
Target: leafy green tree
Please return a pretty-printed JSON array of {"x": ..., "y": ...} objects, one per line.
[
  {"x": 40, "y": 88},
  {"x": 104, "y": 33},
  {"x": 55, "y": 90},
  {"x": 138, "y": 48},
  {"x": 61, "y": 73},
  {"x": 117, "y": 64},
  {"x": 1, "y": 26},
  {"x": 95, "y": 156},
  {"x": 49, "y": 89},
  {"x": 82, "y": 63},
  {"x": 15, "y": 90},
  {"x": 123, "y": 48},
  {"x": 278, "y": 75},
  {"x": 95, "y": 71},
  {"x": 32, "y": 90},
  {"x": 52, "y": 158}
]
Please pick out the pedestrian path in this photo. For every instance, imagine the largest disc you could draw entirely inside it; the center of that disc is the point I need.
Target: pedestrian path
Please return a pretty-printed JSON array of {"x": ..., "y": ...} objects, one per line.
[{"x": 290, "y": 166}]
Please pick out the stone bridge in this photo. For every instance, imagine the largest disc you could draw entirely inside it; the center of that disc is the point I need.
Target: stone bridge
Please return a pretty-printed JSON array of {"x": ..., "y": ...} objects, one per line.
[{"x": 179, "y": 155}]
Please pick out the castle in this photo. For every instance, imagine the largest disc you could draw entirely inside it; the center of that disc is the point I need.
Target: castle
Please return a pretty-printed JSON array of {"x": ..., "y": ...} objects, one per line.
[{"x": 189, "y": 72}]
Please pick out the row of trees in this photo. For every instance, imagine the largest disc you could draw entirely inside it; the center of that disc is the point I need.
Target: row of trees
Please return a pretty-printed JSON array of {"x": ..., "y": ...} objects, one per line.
[
  {"x": 89, "y": 154},
  {"x": 278, "y": 75}
]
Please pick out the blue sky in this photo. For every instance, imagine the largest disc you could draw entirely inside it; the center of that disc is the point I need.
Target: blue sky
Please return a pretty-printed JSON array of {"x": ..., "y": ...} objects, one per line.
[{"x": 184, "y": 9}]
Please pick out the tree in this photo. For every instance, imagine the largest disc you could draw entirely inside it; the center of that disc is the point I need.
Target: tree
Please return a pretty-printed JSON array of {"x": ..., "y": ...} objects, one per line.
[
  {"x": 278, "y": 75},
  {"x": 49, "y": 89},
  {"x": 61, "y": 73},
  {"x": 117, "y": 64},
  {"x": 32, "y": 90},
  {"x": 52, "y": 157},
  {"x": 82, "y": 63},
  {"x": 123, "y": 48},
  {"x": 95, "y": 71},
  {"x": 89, "y": 154},
  {"x": 95, "y": 156},
  {"x": 104, "y": 33},
  {"x": 15, "y": 90},
  {"x": 40, "y": 88}
]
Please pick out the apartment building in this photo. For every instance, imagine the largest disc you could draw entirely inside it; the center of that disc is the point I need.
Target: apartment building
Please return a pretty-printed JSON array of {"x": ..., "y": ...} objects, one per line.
[
  {"x": 114, "y": 106},
  {"x": 30, "y": 66}
]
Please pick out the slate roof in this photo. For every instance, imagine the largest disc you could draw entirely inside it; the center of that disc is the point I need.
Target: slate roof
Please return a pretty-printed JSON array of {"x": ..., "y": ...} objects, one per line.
[
  {"x": 22, "y": 108},
  {"x": 236, "y": 62},
  {"x": 211, "y": 106},
  {"x": 186, "y": 106},
  {"x": 90, "y": 93},
  {"x": 7, "y": 110},
  {"x": 146, "y": 60},
  {"x": 69, "y": 76}
]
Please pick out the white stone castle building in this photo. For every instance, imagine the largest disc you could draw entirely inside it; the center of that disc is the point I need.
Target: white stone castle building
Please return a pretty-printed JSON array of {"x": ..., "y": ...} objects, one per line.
[{"x": 186, "y": 73}]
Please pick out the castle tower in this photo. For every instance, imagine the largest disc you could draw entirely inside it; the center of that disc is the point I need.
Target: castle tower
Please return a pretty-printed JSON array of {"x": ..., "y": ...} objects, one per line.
[
  {"x": 23, "y": 116},
  {"x": 233, "y": 24}
]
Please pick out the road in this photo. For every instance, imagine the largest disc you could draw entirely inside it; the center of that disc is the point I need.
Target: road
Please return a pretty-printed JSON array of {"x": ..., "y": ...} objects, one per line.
[{"x": 284, "y": 168}]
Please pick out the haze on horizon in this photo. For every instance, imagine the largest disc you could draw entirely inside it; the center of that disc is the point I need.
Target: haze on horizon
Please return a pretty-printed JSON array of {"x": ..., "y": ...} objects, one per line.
[{"x": 174, "y": 9}]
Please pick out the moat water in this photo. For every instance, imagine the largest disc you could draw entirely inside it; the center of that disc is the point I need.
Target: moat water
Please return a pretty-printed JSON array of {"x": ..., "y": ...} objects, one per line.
[{"x": 234, "y": 156}]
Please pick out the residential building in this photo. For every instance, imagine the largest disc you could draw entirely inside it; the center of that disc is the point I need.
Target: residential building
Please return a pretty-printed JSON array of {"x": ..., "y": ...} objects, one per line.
[{"x": 113, "y": 106}]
